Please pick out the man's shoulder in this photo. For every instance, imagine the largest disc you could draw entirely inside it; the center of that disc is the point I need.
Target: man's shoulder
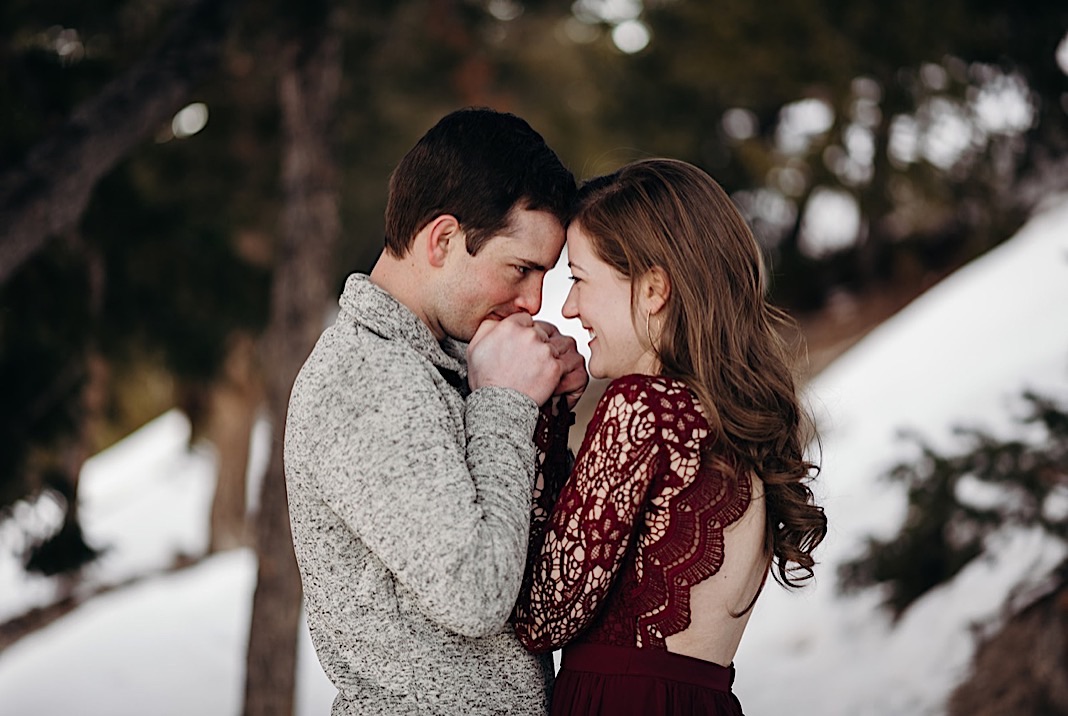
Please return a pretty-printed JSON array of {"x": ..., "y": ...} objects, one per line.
[
  {"x": 354, "y": 365},
  {"x": 354, "y": 352}
]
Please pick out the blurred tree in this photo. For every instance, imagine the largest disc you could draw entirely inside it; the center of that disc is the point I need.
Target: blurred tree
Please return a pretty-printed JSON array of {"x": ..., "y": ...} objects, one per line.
[
  {"x": 47, "y": 192},
  {"x": 926, "y": 119},
  {"x": 1020, "y": 664},
  {"x": 308, "y": 86},
  {"x": 57, "y": 145},
  {"x": 63, "y": 416},
  {"x": 957, "y": 502}
]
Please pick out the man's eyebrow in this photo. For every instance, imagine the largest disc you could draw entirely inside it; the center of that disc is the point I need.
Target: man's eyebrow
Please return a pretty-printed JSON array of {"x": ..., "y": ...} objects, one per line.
[{"x": 533, "y": 265}]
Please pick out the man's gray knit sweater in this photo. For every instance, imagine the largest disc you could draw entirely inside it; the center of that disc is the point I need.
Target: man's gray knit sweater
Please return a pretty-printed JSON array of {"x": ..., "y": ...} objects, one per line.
[{"x": 410, "y": 508}]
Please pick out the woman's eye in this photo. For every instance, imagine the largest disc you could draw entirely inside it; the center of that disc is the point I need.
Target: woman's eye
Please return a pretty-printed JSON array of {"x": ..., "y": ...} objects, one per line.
[{"x": 573, "y": 279}]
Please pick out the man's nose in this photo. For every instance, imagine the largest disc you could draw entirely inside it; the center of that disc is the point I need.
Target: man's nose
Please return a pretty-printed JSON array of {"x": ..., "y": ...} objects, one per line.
[{"x": 529, "y": 299}]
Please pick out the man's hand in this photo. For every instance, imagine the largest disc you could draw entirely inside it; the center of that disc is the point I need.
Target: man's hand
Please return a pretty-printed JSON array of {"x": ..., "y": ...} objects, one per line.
[
  {"x": 574, "y": 378},
  {"x": 512, "y": 353}
]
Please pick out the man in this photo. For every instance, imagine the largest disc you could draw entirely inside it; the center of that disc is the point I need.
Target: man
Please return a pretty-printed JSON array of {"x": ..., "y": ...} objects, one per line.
[{"x": 409, "y": 456}]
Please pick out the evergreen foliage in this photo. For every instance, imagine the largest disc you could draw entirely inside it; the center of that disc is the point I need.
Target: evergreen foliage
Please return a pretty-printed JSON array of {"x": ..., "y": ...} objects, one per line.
[
  {"x": 42, "y": 337},
  {"x": 66, "y": 550},
  {"x": 878, "y": 69},
  {"x": 958, "y": 502}
]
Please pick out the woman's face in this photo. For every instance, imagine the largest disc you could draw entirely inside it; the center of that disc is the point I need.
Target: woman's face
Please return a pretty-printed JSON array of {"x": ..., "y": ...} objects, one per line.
[{"x": 600, "y": 298}]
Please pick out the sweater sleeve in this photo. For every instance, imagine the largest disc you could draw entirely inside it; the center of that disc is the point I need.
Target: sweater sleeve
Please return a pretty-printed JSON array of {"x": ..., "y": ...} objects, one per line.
[{"x": 451, "y": 525}]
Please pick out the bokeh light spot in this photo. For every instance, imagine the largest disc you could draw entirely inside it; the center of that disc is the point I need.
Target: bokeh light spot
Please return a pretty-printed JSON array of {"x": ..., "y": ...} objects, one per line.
[
  {"x": 631, "y": 36},
  {"x": 190, "y": 120}
]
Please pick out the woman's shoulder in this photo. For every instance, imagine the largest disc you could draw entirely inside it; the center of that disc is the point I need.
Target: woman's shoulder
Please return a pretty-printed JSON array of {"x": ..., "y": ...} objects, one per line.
[
  {"x": 656, "y": 399},
  {"x": 650, "y": 390}
]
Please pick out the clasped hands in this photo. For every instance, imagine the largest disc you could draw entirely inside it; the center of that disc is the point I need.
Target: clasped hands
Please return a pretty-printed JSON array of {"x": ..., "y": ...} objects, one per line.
[{"x": 530, "y": 356}]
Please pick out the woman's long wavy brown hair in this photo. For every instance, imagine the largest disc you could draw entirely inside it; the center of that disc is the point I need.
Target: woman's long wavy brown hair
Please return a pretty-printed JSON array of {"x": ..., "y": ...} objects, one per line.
[{"x": 717, "y": 333}]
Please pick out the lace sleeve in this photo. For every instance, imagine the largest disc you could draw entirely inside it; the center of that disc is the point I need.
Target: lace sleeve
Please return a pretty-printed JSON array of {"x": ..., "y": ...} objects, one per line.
[
  {"x": 553, "y": 463},
  {"x": 593, "y": 521},
  {"x": 553, "y": 459}
]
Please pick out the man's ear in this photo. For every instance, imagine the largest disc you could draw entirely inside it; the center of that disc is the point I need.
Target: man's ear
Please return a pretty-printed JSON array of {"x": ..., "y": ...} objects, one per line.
[
  {"x": 441, "y": 235},
  {"x": 655, "y": 288}
]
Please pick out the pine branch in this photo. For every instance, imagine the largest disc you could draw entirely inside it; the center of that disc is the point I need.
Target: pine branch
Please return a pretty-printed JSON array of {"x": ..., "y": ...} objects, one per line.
[
  {"x": 957, "y": 502},
  {"x": 49, "y": 192}
]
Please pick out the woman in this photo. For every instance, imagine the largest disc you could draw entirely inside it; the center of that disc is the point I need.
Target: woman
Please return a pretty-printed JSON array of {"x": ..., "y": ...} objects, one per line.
[{"x": 691, "y": 480}]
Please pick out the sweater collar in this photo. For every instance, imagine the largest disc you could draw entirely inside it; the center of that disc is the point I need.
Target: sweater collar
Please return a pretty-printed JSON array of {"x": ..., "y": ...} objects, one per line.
[{"x": 374, "y": 308}]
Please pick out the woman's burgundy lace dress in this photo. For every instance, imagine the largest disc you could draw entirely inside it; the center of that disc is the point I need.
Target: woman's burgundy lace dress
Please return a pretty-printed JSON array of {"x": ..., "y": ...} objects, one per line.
[{"x": 639, "y": 520}]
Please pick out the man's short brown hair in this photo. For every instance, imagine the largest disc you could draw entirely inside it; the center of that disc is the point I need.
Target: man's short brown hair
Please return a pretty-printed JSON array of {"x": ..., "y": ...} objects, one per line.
[{"x": 476, "y": 164}]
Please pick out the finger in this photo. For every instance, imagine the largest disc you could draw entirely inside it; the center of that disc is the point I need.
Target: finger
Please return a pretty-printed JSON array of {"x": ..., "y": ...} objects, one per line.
[
  {"x": 576, "y": 378},
  {"x": 572, "y": 382},
  {"x": 553, "y": 350},
  {"x": 520, "y": 318},
  {"x": 550, "y": 329},
  {"x": 573, "y": 361},
  {"x": 483, "y": 329},
  {"x": 563, "y": 344}
]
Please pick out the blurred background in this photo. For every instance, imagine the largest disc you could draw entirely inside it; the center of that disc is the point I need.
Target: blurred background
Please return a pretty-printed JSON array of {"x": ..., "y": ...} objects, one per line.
[{"x": 185, "y": 184}]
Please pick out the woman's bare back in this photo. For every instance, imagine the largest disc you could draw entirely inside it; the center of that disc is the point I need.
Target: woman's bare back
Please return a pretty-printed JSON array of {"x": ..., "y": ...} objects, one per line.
[{"x": 714, "y": 632}]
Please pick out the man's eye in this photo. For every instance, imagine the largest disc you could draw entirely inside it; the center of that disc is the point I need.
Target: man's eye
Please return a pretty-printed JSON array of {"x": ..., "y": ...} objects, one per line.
[{"x": 523, "y": 270}]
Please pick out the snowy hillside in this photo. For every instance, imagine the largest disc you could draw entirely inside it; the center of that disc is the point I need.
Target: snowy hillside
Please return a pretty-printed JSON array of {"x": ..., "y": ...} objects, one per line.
[{"x": 960, "y": 354}]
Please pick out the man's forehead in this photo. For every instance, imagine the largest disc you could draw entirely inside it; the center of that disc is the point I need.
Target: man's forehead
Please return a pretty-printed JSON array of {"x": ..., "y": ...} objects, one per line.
[
  {"x": 525, "y": 221},
  {"x": 538, "y": 239},
  {"x": 533, "y": 254}
]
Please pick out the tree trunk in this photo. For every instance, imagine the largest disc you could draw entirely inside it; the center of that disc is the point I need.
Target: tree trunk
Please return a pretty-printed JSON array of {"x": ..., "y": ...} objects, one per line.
[
  {"x": 301, "y": 294},
  {"x": 234, "y": 401},
  {"x": 1021, "y": 668},
  {"x": 47, "y": 195}
]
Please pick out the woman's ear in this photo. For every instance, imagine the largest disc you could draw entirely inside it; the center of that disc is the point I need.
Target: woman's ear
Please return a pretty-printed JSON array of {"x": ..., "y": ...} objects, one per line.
[
  {"x": 655, "y": 289},
  {"x": 441, "y": 235}
]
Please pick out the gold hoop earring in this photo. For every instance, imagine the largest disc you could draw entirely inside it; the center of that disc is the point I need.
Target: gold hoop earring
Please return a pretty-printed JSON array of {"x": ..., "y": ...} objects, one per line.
[{"x": 649, "y": 332}]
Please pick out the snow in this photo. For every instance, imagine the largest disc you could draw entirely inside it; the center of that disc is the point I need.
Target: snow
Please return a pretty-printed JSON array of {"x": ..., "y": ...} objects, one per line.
[
  {"x": 959, "y": 355},
  {"x": 170, "y": 644}
]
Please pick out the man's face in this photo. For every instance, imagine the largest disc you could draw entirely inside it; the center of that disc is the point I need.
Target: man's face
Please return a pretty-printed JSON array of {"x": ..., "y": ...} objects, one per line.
[{"x": 504, "y": 277}]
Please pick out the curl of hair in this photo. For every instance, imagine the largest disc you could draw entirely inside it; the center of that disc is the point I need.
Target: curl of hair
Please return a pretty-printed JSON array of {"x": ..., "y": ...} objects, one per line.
[{"x": 717, "y": 333}]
